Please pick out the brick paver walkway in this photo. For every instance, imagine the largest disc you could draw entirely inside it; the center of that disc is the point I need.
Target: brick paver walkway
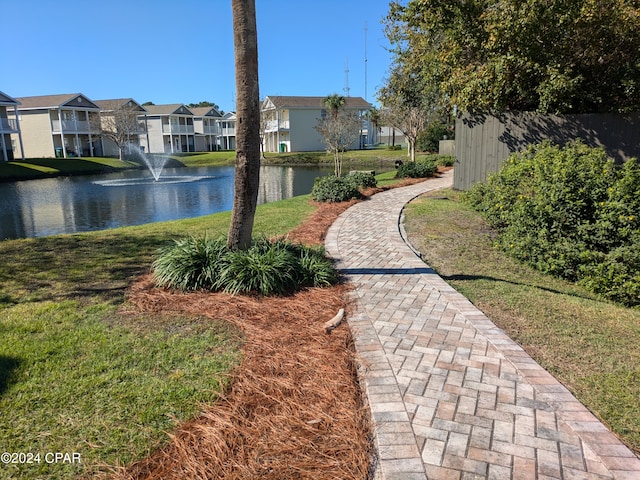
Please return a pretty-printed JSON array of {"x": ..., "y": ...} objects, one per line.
[{"x": 451, "y": 396}]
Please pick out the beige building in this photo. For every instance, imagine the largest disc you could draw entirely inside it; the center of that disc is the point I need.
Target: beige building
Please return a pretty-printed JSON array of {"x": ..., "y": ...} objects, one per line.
[
  {"x": 9, "y": 127},
  {"x": 207, "y": 128},
  {"x": 289, "y": 122},
  {"x": 228, "y": 131},
  {"x": 57, "y": 126},
  {"x": 170, "y": 129},
  {"x": 125, "y": 120}
]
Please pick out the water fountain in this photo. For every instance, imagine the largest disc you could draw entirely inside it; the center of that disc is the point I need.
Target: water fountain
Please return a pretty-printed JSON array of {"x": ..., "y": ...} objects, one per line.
[{"x": 155, "y": 163}]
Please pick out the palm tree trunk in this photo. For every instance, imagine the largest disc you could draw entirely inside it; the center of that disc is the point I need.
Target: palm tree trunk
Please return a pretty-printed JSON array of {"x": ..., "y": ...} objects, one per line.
[{"x": 245, "y": 199}]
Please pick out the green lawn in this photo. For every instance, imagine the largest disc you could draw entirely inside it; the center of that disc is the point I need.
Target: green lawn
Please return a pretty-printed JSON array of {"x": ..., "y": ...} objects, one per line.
[
  {"x": 590, "y": 345},
  {"x": 32, "y": 168},
  {"x": 80, "y": 375}
]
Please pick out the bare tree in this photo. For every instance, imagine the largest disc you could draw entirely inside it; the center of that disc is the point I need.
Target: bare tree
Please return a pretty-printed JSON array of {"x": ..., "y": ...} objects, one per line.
[
  {"x": 339, "y": 129},
  {"x": 245, "y": 199},
  {"x": 119, "y": 123},
  {"x": 410, "y": 120}
]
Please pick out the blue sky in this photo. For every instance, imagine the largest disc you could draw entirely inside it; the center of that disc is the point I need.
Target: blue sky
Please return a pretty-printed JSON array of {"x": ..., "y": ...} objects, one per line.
[{"x": 169, "y": 51}]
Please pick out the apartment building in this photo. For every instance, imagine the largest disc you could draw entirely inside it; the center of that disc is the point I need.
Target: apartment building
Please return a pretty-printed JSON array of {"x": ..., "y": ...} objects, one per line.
[
  {"x": 170, "y": 129},
  {"x": 9, "y": 127},
  {"x": 65, "y": 125},
  {"x": 122, "y": 122},
  {"x": 289, "y": 122},
  {"x": 207, "y": 128}
]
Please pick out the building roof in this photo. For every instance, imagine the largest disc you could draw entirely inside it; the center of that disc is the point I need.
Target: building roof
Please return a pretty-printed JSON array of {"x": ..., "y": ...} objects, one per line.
[
  {"x": 55, "y": 101},
  {"x": 168, "y": 109},
  {"x": 314, "y": 102},
  {"x": 115, "y": 103},
  {"x": 205, "y": 112},
  {"x": 7, "y": 100}
]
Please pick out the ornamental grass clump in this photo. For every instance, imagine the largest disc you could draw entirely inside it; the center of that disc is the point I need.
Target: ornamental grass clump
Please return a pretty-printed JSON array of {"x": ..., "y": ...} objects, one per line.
[
  {"x": 191, "y": 263},
  {"x": 268, "y": 267}
]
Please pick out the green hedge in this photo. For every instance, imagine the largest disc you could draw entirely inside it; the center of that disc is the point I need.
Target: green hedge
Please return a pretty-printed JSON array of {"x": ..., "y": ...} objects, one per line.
[
  {"x": 419, "y": 169},
  {"x": 570, "y": 212},
  {"x": 340, "y": 189}
]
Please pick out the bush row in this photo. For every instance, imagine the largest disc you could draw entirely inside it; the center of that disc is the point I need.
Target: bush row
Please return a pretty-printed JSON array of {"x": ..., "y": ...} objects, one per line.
[
  {"x": 570, "y": 212},
  {"x": 266, "y": 268},
  {"x": 340, "y": 189},
  {"x": 422, "y": 168}
]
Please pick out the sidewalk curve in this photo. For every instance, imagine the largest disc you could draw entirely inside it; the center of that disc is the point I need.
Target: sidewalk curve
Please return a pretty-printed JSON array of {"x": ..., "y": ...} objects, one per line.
[{"x": 451, "y": 396}]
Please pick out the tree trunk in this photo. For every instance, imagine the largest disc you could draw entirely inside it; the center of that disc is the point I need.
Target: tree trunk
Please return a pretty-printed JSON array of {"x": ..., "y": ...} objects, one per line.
[{"x": 245, "y": 199}]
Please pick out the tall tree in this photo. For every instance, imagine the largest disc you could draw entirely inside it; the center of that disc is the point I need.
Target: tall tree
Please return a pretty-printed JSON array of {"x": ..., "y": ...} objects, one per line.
[
  {"x": 245, "y": 199},
  {"x": 410, "y": 102},
  {"x": 334, "y": 103},
  {"x": 556, "y": 56}
]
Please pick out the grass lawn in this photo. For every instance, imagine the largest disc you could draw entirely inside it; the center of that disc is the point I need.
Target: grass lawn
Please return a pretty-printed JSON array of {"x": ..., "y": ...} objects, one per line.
[
  {"x": 79, "y": 373},
  {"x": 33, "y": 168},
  {"x": 590, "y": 345},
  {"x": 47, "y": 167}
]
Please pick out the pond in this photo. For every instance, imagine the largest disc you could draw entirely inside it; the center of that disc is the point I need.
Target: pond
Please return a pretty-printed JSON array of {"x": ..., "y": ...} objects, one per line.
[{"x": 37, "y": 208}]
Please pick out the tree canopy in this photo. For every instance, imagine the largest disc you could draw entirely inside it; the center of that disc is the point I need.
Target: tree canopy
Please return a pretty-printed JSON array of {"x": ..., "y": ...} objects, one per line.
[{"x": 554, "y": 56}]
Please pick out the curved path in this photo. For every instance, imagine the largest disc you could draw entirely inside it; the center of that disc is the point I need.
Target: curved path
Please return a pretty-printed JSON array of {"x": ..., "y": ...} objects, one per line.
[{"x": 451, "y": 396}]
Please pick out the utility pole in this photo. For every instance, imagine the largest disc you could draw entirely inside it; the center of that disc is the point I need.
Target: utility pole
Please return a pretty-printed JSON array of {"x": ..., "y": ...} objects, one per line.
[
  {"x": 346, "y": 77},
  {"x": 365, "y": 61}
]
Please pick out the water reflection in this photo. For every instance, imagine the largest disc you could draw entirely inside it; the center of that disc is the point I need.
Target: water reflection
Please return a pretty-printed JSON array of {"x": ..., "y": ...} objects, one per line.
[{"x": 77, "y": 204}]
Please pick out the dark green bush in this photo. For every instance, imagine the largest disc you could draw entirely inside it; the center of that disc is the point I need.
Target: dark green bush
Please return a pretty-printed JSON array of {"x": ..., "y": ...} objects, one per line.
[
  {"x": 417, "y": 169},
  {"x": 266, "y": 268},
  {"x": 445, "y": 161},
  {"x": 429, "y": 140},
  {"x": 568, "y": 211},
  {"x": 334, "y": 189},
  {"x": 362, "y": 179}
]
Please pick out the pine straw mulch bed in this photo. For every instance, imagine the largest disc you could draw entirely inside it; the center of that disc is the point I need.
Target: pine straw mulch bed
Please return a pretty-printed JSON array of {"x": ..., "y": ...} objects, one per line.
[{"x": 294, "y": 409}]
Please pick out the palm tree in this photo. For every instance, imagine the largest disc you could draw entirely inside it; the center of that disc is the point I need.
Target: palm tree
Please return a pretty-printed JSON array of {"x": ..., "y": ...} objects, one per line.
[
  {"x": 334, "y": 103},
  {"x": 245, "y": 199}
]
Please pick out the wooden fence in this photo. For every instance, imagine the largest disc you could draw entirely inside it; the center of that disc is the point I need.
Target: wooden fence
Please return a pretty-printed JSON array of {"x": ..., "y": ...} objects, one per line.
[{"x": 483, "y": 142}]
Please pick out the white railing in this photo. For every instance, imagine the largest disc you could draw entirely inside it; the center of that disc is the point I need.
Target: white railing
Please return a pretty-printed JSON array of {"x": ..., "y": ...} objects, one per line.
[
  {"x": 210, "y": 130},
  {"x": 71, "y": 126},
  {"x": 177, "y": 128},
  {"x": 7, "y": 124},
  {"x": 226, "y": 132},
  {"x": 273, "y": 125}
]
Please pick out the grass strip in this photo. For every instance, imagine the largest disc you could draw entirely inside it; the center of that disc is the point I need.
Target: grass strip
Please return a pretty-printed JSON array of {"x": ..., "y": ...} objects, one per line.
[
  {"x": 590, "y": 345},
  {"x": 78, "y": 373}
]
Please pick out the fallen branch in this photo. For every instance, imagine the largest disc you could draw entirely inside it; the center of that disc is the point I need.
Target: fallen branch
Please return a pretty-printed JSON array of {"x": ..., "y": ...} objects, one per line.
[{"x": 334, "y": 322}]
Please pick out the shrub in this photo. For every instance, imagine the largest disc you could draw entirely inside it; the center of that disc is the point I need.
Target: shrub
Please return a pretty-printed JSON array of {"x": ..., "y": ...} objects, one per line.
[
  {"x": 429, "y": 140},
  {"x": 190, "y": 263},
  {"x": 445, "y": 161},
  {"x": 362, "y": 179},
  {"x": 616, "y": 276},
  {"x": 570, "y": 212},
  {"x": 417, "y": 169},
  {"x": 266, "y": 268},
  {"x": 334, "y": 189}
]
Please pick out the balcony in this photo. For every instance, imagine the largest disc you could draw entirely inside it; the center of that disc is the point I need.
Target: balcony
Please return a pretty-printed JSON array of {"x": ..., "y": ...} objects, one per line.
[
  {"x": 273, "y": 125},
  {"x": 210, "y": 130},
  {"x": 177, "y": 129},
  {"x": 8, "y": 125},
  {"x": 71, "y": 126}
]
